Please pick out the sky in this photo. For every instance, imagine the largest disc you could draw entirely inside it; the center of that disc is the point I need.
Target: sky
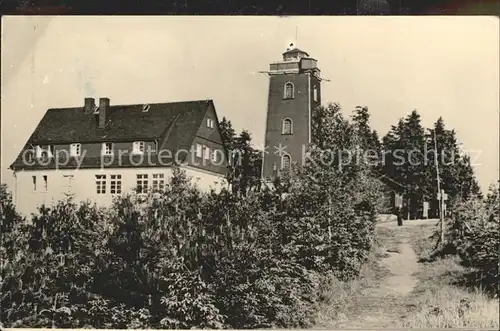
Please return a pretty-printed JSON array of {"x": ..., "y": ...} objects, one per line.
[{"x": 438, "y": 65}]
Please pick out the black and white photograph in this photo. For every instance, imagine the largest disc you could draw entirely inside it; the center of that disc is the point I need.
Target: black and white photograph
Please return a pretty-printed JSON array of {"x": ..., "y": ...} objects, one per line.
[{"x": 245, "y": 172}]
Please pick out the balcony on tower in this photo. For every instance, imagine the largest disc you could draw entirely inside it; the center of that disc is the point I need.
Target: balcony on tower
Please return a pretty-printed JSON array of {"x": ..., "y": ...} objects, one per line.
[{"x": 294, "y": 61}]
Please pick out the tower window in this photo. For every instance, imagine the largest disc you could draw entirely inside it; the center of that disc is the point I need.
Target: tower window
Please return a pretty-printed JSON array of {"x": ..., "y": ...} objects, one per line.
[
  {"x": 315, "y": 94},
  {"x": 289, "y": 91},
  {"x": 287, "y": 127},
  {"x": 285, "y": 162}
]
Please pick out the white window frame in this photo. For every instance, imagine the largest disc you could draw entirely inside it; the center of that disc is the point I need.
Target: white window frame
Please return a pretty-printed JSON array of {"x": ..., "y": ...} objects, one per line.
[
  {"x": 206, "y": 152},
  {"x": 283, "y": 126},
  {"x": 285, "y": 89},
  {"x": 315, "y": 93},
  {"x": 100, "y": 182},
  {"x": 75, "y": 149},
  {"x": 50, "y": 151},
  {"x": 210, "y": 123},
  {"x": 104, "y": 149},
  {"x": 199, "y": 150},
  {"x": 158, "y": 182},
  {"x": 115, "y": 184},
  {"x": 139, "y": 147},
  {"x": 142, "y": 183},
  {"x": 214, "y": 155},
  {"x": 38, "y": 151},
  {"x": 69, "y": 190}
]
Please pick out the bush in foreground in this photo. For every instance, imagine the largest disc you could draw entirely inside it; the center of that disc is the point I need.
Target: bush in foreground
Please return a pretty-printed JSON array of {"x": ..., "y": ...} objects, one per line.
[
  {"x": 181, "y": 258},
  {"x": 473, "y": 235}
]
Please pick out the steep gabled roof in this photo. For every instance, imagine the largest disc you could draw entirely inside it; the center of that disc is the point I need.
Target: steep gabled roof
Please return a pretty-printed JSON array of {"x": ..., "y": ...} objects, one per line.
[
  {"x": 173, "y": 124},
  {"x": 125, "y": 122}
]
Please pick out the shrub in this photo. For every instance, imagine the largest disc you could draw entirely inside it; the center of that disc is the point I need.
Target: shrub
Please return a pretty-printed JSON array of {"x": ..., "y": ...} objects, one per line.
[
  {"x": 180, "y": 258},
  {"x": 473, "y": 235}
]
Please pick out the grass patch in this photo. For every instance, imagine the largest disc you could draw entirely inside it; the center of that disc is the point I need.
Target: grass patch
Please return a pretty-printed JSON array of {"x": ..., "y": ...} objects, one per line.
[
  {"x": 438, "y": 301},
  {"x": 339, "y": 299}
]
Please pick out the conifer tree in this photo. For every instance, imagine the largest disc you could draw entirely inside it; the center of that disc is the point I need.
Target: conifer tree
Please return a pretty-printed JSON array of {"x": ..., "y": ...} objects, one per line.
[
  {"x": 245, "y": 162},
  {"x": 404, "y": 148},
  {"x": 369, "y": 141}
]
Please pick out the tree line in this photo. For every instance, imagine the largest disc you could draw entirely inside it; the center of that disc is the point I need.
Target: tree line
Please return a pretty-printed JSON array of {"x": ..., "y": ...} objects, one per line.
[{"x": 407, "y": 154}]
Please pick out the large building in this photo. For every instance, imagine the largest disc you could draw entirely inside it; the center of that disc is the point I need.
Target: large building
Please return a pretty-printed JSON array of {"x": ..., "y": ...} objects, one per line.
[
  {"x": 294, "y": 92},
  {"x": 100, "y": 151}
]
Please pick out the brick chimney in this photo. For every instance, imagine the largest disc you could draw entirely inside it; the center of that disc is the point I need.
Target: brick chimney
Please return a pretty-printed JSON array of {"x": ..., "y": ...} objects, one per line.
[
  {"x": 103, "y": 112},
  {"x": 89, "y": 105}
]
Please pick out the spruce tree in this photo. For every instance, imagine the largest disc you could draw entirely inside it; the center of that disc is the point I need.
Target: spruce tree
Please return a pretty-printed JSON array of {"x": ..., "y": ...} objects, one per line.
[
  {"x": 369, "y": 141},
  {"x": 404, "y": 147},
  {"x": 455, "y": 171},
  {"x": 245, "y": 162}
]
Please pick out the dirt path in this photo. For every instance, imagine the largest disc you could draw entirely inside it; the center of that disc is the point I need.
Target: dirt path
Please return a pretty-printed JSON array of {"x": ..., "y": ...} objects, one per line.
[{"x": 382, "y": 303}]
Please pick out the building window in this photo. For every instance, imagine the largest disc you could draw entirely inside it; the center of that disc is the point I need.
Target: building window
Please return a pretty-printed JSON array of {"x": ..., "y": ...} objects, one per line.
[
  {"x": 199, "y": 150},
  {"x": 158, "y": 182},
  {"x": 142, "y": 183},
  {"x": 38, "y": 152},
  {"x": 116, "y": 184},
  {"x": 138, "y": 147},
  {"x": 69, "y": 190},
  {"x": 214, "y": 155},
  {"x": 206, "y": 153},
  {"x": 107, "y": 149},
  {"x": 287, "y": 126},
  {"x": 46, "y": 152},
  {"x": 210, "y": 123},
  {"x": 288, "y": 91},
  {"x": 285, "y": 162},
  {"x": 75, "y": 149},
  {"x": 34, "y": 183},
  {"x": 45, "y": 183},
  {"x": 315, "y": 93},
  {"x": 100, "y": 182}
]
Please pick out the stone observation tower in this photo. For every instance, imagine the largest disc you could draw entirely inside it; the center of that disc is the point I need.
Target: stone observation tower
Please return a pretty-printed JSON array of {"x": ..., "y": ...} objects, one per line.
[{"x": 294, "y": 91}]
